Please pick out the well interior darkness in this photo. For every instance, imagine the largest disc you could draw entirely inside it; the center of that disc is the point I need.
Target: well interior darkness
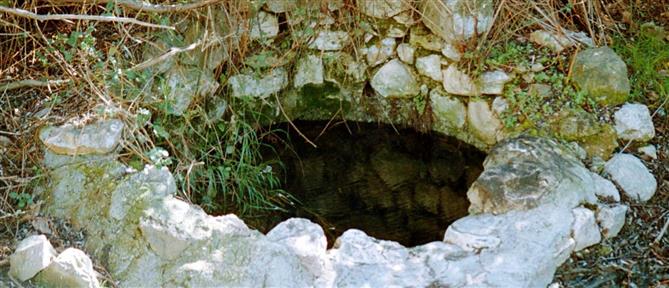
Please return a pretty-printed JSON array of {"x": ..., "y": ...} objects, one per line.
[{"x": 393, "y": 183}]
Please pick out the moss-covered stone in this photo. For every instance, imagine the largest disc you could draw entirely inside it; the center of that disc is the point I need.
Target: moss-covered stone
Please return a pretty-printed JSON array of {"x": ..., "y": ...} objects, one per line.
[{"x": 602, "y": 74}]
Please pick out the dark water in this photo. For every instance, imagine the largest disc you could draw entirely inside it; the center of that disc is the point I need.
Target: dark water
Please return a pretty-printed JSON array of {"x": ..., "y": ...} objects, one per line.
[{"x": 394, "y": 184}]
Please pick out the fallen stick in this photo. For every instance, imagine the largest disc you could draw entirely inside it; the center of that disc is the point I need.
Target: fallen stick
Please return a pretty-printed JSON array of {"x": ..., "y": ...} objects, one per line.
[
  {"x": 169, "y": 54},
  {"x": 157, "y": 8},
  {"x": 65, "y": 17},
  {"x": 31, "y": 83}
]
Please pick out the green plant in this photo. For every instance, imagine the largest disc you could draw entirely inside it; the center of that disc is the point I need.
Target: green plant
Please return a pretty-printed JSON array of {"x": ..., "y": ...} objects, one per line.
[
  {"x": 21, "y": 199},
  {"x": 647, "y": 55}
]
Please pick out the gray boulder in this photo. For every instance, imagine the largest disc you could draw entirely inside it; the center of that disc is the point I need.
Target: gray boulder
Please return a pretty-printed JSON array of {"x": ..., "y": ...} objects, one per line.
[
  {"x": 483, "y": 123},
  {"x": 603, "y": 74},
  {"x": 31, "y": 256},
  {"x": 101, "y": 137},
  {"x": 457, "y": 20},
  {"x": 448, "y": 112},
  {"x": 327, "y": 40},
  {"x": 633, "y": 122},
  {"x": 72, "y": 268},
  {"x": 430, "y": 66},
  {"x": 395, "y": 79},
  {"x": 611, "y": 218},
  {"x": 244, "y": 85},
  {"x": 632, "y": 176},
  {"x": 309, "y": 71},
  {"x": 526, "y": 172}
]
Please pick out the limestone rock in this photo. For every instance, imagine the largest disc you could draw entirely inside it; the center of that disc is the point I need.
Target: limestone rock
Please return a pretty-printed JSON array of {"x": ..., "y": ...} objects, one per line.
[
  {"x": 395, "y": 79},
  {"x": 259, "y": 87},
  {"x": 72, "y": 268},
  {"x": 185, "y": 84},
  {"x": 383, "y": 9},
  {"x": 632, "y": 176},
  {"x": 492, "y": 83},
  {"x": 430, "y": 66},
  {"x": 101, "y": 137},
  {"x": 483, "y": 122},
  {"x": 264, "y": 26},
  {"x": 649, "y": 152},
  {"x": 603, "y": 74},
  {"x": 500, "y": 105},
  {"x": 380, "y": 52},
  {"x": 605, "y": 189},
  {"x": 421, "y": 37},
  {"x": 31, "y": 256},
  {"x": 451, "y": 52},
  {"x": 306, "y": 239},
  {"x": 457, "y": 20},
  {"x": 309, "y": 71},
  {"x": 396, "y": 32},
  {"x": 633, "y": 122},
  {"x": 449, "y": 112},
  {"x": 405, "y": 52},
  {"x": 555, "y": 42},
  {"x": 584, "y": 229},
  {"x": 330, "y": 40},
  {"x": 526, "y": 172},
  {"x": 153, "y": 183},
  {"x": 458, "y": 82},
  {"x": 611, "y": 219}
]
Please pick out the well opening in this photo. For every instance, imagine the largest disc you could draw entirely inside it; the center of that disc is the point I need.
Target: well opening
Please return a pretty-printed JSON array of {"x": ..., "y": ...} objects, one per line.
[{"x": 393, "y": 183}]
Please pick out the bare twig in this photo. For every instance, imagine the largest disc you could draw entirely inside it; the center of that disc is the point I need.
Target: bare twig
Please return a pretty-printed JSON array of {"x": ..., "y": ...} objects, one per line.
[
  {"x": 157, "y": 8},
  {"x": 664, "y": 230},
  {"x": 32, "y": 83},
  {"x": 65, "y": 17},
  {"x": 169, "y": 54}
]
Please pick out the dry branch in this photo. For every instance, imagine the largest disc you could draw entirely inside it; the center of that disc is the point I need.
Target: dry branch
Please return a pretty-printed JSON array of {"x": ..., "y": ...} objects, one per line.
[
  {"x": 157, "y": 8},
  {"x": 64, "y": 17},
  {"x": 169, "y": 54},
  {"x": 31, "y": 83}
]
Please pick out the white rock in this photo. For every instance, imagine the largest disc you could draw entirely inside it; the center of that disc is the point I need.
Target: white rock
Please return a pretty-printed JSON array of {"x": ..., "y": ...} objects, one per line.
[
  {"x": 430, "y": 66},
  {"x": 101, "y": 137},
  {"x": 259, "y": 87},
  {"x": 330, "y": 40},
  {"x": 309, "y": 71},
  {"x": 611, "y": 219},
  {"x": 306, "y": 239},
  {"x": 649, "y": 152},
  {"x": 555, "y": 42},
  {"x": 632, "y": 176},
  {"x": 396, "y": 32},
  {"x": 395, "y": 79},
  {"x": 584, "y": 229},
  {"x": 380, "y": 52},
  {"x": 483, "y": 122},
  {"x": 33, "y": 254},
  {"x": 451, "y": 52},
  {"x": 633, "y": 122},
  {"x": 500, "y": 105},
  {"x": 383, "y": 9},
  {"x": 458, "y": 82},
  {"x": 264, "y": 26},
  {"x": 449, "y": 112},
  {"x": 405, "y": 52},
  {"x": 72, "y": 268},
  {"x": 457, "y": 20},
  {"x": 492, "y": 83},
  {"x": 605, "y": 189},
  {"x": 183, "y": 85}
]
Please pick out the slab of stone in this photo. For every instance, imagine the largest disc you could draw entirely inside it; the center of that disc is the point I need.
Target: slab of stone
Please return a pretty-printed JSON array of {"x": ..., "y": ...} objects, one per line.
[
  {"x": 632, "y": 176},
  {"x": 451, "y": 52},
  {"x": 457, "y": 20},
  {"x": 458, "y": 82},
  {"x": 101, "y": 137},
  {"x": 327, "y": 40},
  {"x": 648, "y": 152},
  {"x": 483, "y": 123},
  {"x": 499, "y": 105},
  {"x": 383, "y": 9},
  {"x": 31, "y": 256},
  {"x": 430, "y": 66},
  {"x": 380, "y": 52},
  {"x": 526, "y": 172},
  {"x": 264, "y": 26},
  {"x": 584, "y": 229},
  {"x": 605, "y": 189},
  {"x": 250, "y": 85},
  {"x": 611, "y": 219},
  {"x": 554, "y": 41},
  {"x": 395, "y": 80},
  {"x": 306, "y": 239},
  {"x": 405, "y": 52},
  {"x": 449, "y": 112},
  {"x": 602, "y": 74},
  {"x": 72, "y": 268},
  {"x": 309, "y": 71},
  {"x": 492, "y": 82},
  {"x": 633, "y": 122},
  {"x": 184, "y": 84}
]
